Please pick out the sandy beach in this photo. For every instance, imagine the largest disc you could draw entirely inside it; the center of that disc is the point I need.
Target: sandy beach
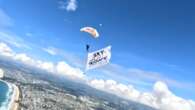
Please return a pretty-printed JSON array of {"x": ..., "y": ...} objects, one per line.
[{"x": 16, "y": 94}]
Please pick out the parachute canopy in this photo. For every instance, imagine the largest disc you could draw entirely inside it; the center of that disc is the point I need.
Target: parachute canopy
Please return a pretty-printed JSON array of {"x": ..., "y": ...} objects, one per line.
[{"x": 92, "y": 31}]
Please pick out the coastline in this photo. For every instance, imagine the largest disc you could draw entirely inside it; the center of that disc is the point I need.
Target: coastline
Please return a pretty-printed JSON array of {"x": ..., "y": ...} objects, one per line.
[
  {"x": 13, "y": 105},
  {"x": 5, "y": 104},
  {"x": 13, "y": 97}
]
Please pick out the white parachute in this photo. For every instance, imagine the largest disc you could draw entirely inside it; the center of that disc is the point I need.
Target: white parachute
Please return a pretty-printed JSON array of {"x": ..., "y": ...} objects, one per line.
[{"x": 92, "y": 31}]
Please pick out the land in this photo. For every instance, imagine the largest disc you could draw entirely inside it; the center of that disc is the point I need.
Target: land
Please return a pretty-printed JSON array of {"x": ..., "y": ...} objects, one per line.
[{"x": 40, "y": 90}]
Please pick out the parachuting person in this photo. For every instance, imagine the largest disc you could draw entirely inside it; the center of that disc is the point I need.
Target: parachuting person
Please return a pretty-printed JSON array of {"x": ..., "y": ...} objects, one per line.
[
  {"x": 87, "y": 47},
  {"x": 92, "y": 31}
]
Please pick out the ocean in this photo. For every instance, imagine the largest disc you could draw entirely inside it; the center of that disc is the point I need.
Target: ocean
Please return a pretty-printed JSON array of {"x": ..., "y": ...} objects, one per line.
[{"x": 5, "y": 93}]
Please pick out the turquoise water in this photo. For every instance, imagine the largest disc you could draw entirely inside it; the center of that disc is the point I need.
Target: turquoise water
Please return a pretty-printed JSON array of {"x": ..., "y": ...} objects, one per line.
[
  {"x": 6, "y": 93},
  {"x": 3, "y": 92}
]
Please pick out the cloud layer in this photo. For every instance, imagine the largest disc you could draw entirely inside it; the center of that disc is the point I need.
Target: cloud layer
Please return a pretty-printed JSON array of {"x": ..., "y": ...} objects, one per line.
[
  {"x": 61, "y": 67},
  {"x": 142, "y": 78},
  {"x": 160, "y": 97}
]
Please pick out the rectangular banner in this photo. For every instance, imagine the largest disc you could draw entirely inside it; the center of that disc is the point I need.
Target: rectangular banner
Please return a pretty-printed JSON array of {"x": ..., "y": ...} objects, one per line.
[{"x": 98, "y": 58}]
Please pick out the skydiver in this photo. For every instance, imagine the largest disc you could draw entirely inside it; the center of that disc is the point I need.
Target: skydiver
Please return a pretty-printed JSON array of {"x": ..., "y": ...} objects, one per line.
[{"x": 87, "y": 47}]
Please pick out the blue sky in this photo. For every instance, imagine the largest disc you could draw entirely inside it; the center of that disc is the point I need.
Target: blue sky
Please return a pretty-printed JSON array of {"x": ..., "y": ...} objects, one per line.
[{"x": 152, "y": 36}]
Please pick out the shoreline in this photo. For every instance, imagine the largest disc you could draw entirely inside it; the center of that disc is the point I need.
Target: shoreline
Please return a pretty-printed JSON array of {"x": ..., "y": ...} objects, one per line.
[
  {"x": 6, "y": 103},
  {"x": 14, "y": 97},
  {"x": 13, "y": 105}
]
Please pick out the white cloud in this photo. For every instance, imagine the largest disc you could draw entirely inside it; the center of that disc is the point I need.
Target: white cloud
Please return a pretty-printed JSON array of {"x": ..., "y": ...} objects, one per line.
[
  {"x": 5, "y": 50},
  {"x": 70, "y": 5},
  {"x": 48, "y": 66},
  {"x": 111, "y": 86},
  {"x": 63, "y": 68},
  {"x": 22, "y": 57},
  {"x": 51, "y": 50},
  {"x": 166, "y": 100},
  {"x": 160, "y": 97},
  {"x": 13, "y": 40}
]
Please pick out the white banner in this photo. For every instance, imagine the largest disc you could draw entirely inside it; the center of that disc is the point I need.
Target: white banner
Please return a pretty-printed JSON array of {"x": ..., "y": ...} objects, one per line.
[{"x": 98, "y": 58}]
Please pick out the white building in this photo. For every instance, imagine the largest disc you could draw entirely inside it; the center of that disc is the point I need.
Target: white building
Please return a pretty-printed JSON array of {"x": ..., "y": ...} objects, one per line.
[{"x": 1, "y": 73}]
